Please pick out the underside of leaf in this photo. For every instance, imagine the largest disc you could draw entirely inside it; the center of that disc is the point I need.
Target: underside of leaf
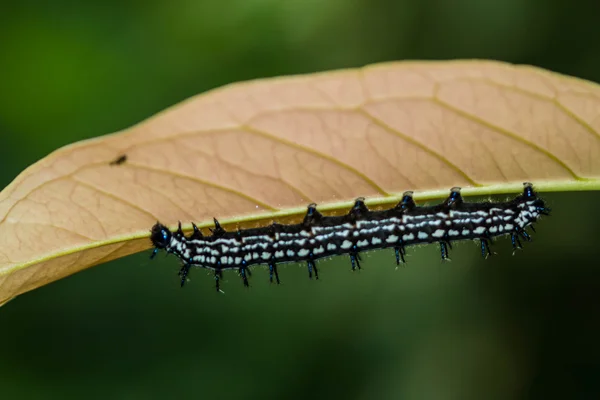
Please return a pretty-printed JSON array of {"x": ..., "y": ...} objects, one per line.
[{"x": 253, "y": 152}]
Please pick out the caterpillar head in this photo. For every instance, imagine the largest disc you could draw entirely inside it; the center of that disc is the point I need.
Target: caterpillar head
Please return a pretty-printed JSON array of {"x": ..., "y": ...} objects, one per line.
[{"x": 160, "y": 236}]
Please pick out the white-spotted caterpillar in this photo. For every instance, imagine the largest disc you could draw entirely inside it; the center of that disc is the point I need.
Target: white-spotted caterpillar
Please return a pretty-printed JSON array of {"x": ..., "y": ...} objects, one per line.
[{"x": 319, "y": 236}]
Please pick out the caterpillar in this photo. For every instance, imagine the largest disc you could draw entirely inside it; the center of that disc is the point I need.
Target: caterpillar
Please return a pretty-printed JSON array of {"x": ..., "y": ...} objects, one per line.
[{"x": 360, "y": 230}]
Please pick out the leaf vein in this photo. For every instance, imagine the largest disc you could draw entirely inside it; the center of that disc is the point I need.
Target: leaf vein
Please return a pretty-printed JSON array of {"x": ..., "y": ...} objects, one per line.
[
  {"x": 418, "y": 144},
  {"x": 316, "y": 153},
  {"x": 206, "y": 183},
  {"x": 508, "y": 134},
  {"x": 115, "y": 197},
  {"x": 554, "y": 100}
]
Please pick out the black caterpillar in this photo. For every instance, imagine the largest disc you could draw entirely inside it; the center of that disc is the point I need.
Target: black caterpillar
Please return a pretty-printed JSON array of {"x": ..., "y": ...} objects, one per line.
[{"x": 318, "y": 236}]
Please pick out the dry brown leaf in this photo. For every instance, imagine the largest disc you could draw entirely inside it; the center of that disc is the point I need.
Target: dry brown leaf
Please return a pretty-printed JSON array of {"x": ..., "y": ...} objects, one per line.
[{"x": 254, "y": 151}]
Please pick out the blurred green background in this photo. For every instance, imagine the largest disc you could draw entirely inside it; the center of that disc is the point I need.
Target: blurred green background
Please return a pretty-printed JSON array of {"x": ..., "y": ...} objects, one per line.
[{"x": 509, "y": 327}]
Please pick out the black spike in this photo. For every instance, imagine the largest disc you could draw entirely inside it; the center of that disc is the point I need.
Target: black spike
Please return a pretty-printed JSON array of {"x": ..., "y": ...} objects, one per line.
[
  {"x": 358, "y": 210},
  {"x": 407, "y": 202},
  {"x": 196, "y": 234},
  {"x": 312, "y": 216},
  {"x": 485, "y": 248},
  {"x": 154, "y": 253},
  {"x": 179, "y": 230},
  {"x": 217, "y": 231},
  {"x": 273, "y": 270},
  {"x": 532, "y": 228},
  {"x": 359, "y": 206},
  {"x": 454, "y": 200},
  {"x": 544, "y": 210},
  {"x": 183, "y": 273},
  {"x": 528, "y": 191},
  {"x": 524, "y": 235}
]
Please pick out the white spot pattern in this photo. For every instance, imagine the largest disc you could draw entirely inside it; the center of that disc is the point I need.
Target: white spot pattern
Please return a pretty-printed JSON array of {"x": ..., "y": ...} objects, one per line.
[{"x": 387, "y": 229}]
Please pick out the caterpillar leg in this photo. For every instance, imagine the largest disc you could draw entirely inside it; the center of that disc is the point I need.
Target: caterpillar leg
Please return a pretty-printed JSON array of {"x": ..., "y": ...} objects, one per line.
[
  {"x": 485, "y": 248},
  {"x": 444, "y": 251},
  {"x": 312, "y": 267},
  {"x": 400, "y": 253},
  {"x": 218, "y": 276},
  {"x": 183, "y": 273},
  {"x": 273, "y": 271}
]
